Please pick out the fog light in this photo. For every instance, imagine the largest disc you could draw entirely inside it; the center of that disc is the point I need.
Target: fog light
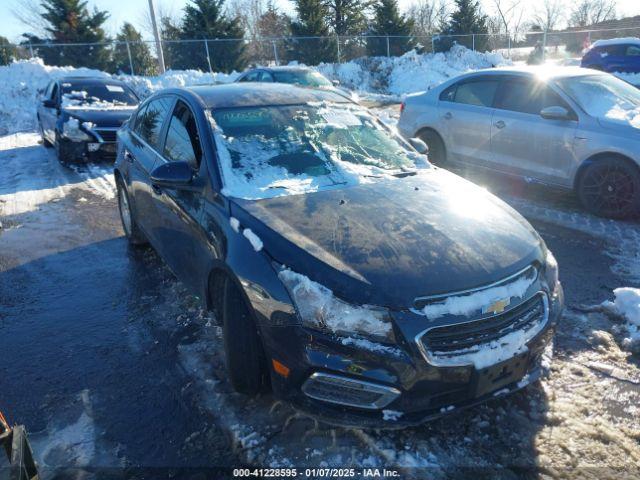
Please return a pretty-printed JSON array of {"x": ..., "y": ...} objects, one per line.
[
  {"x": 348, "y": 391},
  {"x": 93, "y": 147}
]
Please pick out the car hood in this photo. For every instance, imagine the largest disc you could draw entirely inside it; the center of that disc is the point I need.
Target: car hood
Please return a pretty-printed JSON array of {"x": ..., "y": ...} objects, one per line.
[
  {"x": 392, "y": 241},
  {"x": 102, "y": 118}
]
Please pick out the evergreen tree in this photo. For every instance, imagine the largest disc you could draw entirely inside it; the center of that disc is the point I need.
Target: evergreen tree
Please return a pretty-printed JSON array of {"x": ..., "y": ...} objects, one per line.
[
  {"x": 273, "y": 24},
  {"x": 389, "y": 21},
  {"x": 170, "y": 32},
  {"x": 8, "y": 51},
  {"x": 205, "y": 19},
  {"x": 465, "y": 20},
  {"x": 143, "y": 63},
  {"x": 69, "y": 21},
  {"x": 311, "y": 23}
]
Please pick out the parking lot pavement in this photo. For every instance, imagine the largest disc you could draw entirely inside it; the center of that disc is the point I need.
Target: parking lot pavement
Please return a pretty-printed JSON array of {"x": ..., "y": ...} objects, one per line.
[{"x": 109, "y": 362}]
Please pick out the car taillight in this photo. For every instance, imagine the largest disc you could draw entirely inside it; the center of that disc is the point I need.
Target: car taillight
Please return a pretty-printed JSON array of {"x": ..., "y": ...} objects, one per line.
[{"x": 402, "y": 107}]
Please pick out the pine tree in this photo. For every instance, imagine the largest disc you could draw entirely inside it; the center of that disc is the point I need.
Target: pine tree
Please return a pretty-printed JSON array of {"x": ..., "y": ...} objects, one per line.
[
  {"x": 389, "y": 22},
  {"x": 143, "y": 63},
  {"x": 69, "y": 21},
  {"x": 465, "y": 20},
  {"x": 205, "y": 19},
  {"x": 273, "y": 24},
  {"x": 170, "y": 48},
  {"x": 311, "y": 23},
  {"x": 8, "y": 51}
]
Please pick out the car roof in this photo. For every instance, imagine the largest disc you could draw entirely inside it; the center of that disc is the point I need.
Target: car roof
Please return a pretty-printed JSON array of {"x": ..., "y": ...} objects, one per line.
[
  {"x": 250, "y": 94},
  {"x": 541, "y": 71},
  {"x": 90, "y": 80},
  {"x": 283, "y": 68},
  {"x": 616, "y": 41}
]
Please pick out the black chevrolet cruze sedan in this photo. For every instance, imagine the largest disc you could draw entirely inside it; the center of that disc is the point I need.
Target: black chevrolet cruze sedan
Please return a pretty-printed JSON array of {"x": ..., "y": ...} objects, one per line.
[
  {"x": 353, "y": 278},
  {"x": 81, "y": 115}
]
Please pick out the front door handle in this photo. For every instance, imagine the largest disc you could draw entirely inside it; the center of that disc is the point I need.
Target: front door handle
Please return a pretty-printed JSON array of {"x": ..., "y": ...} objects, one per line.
[
  {"x": 500, "y": 124},
  {"x": 128, "y": 156},
  {"x": 156, "y": 189},
  {"x": 447, "y": 116}
]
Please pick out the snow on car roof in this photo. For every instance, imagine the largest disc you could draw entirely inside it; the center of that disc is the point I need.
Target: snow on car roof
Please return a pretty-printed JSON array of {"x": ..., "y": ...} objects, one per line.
[
  {"x": 616, "y": 41},
  {"x": 543, "y": 71}
]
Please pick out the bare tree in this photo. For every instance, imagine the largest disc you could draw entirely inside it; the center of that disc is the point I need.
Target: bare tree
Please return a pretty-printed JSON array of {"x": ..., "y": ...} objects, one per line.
[
  {"x": 429, "y": 16},
  {"x": 590, "y": 12},
  {"x": 29, "y": 14},
  {"x": 549, "y": 14},
  {"x": 165, "y": 14},
  {"x": 509, "y": 18}
]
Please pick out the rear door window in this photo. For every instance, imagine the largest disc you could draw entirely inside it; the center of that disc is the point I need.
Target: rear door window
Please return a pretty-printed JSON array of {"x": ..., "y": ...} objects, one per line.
[
  {"x": 266, "y": 77},
  {"x": 479, "y": 92},
  {"x": 149, "y": 122},
  {"x": 251, "y": 77},
  {"x": 183, "y": 141},
  {"x": 633, "y": 51}
]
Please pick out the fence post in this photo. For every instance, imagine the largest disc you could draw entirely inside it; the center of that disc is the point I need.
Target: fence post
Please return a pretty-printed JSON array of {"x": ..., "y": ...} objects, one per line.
[
  {"x": 206, "y": 47},
  {"x": 433, "y": 44},
  {"x": 338, "y": 44},
  {"x": 388, "y": 49},
  {"x": 509, "y": 45},
  {"x": 544, "y": 46},
  {"x": 473, "y": 42},
  {"x": 130, "y": 60},
  {"x": 275, "y": 52},
  {"x": 31, "y": 50}
]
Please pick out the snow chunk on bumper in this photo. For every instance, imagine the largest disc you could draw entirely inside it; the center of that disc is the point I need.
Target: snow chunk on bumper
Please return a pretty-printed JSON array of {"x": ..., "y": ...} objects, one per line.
[{"x": 319, "y": 307}]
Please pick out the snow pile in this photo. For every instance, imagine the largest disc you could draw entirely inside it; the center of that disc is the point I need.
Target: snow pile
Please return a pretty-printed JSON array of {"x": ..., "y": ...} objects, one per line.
[
  {"x": 412, "y": 72},
  {"x": 80, "y": 100},
  {"x": 627, "y": 305},
  {"x": 145, "y": 86},
  {"x": 616, "y": 41},
  {"x": 317, "y": 305}
]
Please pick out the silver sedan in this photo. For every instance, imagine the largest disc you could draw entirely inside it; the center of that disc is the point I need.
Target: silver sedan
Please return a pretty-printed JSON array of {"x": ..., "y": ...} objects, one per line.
[{"x": 564, "y": 126}]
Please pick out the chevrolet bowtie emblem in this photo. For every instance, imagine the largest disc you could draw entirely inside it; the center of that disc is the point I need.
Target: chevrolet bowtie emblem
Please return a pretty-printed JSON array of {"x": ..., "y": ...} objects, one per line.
[{"x": 497, "y": 307}]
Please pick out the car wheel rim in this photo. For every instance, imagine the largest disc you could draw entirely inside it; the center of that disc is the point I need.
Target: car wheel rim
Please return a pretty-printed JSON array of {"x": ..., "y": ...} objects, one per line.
[
  {"x": 125, "y": 212},
  {"x": 609, "y": 188}
]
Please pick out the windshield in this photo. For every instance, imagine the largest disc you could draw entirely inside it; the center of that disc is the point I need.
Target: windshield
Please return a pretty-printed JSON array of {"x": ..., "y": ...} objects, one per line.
[
  {"x": 308, "y": 79},
  {"x": 97, "y": 95},
  {"x": 605, "y": 96},
  {"x": 283, "y": 150}
]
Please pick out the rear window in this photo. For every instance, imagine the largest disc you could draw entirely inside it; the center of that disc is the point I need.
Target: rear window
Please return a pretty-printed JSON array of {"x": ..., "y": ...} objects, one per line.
[{"x": 477, "y": 92}]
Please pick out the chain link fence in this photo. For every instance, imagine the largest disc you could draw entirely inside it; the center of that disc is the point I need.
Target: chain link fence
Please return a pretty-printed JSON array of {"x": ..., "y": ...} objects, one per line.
[{"x": 226, "y": 55}]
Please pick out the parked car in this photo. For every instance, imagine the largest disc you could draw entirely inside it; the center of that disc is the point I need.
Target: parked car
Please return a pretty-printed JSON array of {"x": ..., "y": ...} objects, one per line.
[
  {"x": 301, "y": 76},
  {"x": 352, "y": 277},
  {"x": 81, "y": 115},
  {"x": 569, "y": 127},
  {"x": 615, "y": 55}
]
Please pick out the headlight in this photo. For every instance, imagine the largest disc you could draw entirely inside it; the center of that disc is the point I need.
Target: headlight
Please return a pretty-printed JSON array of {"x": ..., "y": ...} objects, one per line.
[
  {"x": 71, "y": 130},
  {"x": 551, "y": 271},
  {"x": 320, "y": 309}
]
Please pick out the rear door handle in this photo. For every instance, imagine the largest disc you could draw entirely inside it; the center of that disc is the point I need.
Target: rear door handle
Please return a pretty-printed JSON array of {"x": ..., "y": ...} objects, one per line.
[
  {"x": 500, "y": 124},
  {"x": 447, "y": 116}
]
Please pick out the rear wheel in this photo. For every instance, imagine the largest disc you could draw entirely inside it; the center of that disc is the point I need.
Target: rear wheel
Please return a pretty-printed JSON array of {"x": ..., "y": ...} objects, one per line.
[
  {"x": 610, "y": 188},
  {"x": 437, "y": 153},
  {"x": 245, "y": 358},
  {"x": 129, "y": 224}
]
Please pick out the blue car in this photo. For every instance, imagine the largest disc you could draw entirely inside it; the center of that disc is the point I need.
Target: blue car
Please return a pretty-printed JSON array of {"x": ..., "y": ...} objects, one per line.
[
  {"x": 350, "y": 276},
  {"x": 616, "y": 55}
]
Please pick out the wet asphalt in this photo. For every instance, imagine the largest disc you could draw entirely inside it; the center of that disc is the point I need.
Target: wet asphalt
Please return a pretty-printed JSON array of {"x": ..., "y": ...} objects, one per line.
[{"x": 90, "y": 332}]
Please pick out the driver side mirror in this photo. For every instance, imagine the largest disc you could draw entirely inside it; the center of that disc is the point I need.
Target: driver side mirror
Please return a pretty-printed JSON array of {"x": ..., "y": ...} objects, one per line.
[
  {"x": 419, "y": 145},
  {"x": 555, "y": 113},
  {"x": 48, "y": 103},
  {"x": 336, "y": 83},
  {"x": 172, "y": 175}
]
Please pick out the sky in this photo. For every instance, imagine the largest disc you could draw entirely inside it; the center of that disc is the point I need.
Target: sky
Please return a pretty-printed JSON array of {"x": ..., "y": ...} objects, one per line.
[{"x": 134, "y": 11}]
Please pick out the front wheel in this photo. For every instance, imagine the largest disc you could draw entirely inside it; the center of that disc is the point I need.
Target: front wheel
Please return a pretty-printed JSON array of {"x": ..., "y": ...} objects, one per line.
[
  {"x": 610, "y": 188},
  {"x": 63, "y": 152},
  {"x": 46, "y": 143},
  {"x": 129, "y": 224},
  {"x": 245, "y": 358}
]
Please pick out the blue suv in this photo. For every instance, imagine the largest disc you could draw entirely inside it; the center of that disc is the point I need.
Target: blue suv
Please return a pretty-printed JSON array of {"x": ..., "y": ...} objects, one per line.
[{"x": 617, "y": 55}]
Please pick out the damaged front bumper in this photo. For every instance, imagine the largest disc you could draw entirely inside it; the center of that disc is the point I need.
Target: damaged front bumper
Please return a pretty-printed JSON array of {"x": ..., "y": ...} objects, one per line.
[
  {"x": 88, "y": 150},
  {"x": 350, "y": 382}
]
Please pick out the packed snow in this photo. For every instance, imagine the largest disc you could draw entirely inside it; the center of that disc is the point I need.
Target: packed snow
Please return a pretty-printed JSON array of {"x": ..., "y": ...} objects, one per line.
[
  {"x": 255, "y": 241},
  {"x": 627, "y": 305},
  {"x": 616, "y": 41},
  {"x": 80, "y": 100},
  {"x": 317, "y": 305},
  {"x": 235, "y": 224}
]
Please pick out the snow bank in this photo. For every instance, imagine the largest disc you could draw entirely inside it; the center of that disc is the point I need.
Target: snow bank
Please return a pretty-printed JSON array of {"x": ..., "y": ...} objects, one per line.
[
  {"x": 412, "y": 72},
  {"x": 627, "y": 305}
]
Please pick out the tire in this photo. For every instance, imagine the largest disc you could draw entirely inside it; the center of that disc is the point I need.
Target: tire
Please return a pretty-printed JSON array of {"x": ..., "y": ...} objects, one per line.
[
  {"x": 45, "y": 143},
  {"x": 127, "y": 217},
  {"x": 62, "y": 151},
  {"x": 610, "y": 188},
  {"x": 244, "y": 353},
  {"x": 437, "y": 152}
]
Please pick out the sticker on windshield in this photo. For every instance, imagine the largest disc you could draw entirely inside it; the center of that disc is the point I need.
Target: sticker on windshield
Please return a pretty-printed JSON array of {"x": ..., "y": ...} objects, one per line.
[
  {"x": 341, "y": 118},
  {"x": 115, "y": 88}
]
